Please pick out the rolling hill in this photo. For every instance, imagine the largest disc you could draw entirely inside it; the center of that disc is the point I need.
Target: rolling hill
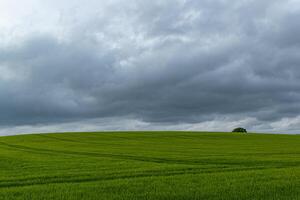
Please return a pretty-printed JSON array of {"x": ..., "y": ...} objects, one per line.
[{"x": 149, "y": 165}]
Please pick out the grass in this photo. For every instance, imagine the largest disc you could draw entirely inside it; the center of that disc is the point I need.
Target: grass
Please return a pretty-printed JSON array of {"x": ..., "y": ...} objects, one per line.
[{"x": 150, "y": 165}]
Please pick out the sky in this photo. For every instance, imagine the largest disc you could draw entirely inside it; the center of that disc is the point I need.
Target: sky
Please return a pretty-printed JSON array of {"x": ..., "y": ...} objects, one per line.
[{"x": 209, "y": 65}]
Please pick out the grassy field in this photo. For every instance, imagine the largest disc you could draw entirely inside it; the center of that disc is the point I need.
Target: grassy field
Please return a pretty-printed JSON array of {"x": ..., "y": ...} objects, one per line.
[{"x": 150, "y": 165}]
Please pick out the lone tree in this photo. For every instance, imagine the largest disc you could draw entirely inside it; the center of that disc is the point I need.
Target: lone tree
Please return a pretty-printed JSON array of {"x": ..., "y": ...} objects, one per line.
[{"x": 239, "y": 130}]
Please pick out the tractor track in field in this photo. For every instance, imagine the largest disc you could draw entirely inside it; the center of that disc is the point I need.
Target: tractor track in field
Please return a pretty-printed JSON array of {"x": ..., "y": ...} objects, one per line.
[
  {"x": 97, "y": 154},
  {"x": 204, "y": 159},
  {"x": 206, "y": 155},
  {"x": 46, "y": 180},
  {"x": 105, "y": 155}
]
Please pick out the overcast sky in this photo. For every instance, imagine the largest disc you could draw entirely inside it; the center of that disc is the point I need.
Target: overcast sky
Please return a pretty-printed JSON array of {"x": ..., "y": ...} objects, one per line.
[{"x": 75, "y": 65}]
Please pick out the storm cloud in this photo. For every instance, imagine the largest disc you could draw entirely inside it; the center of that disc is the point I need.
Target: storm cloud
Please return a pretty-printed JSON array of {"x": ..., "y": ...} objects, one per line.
[{"x": 184, "y": 65}]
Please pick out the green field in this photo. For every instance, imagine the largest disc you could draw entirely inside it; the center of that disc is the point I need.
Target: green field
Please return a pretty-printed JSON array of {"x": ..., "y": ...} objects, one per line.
[{"x": 150, "y": 165}]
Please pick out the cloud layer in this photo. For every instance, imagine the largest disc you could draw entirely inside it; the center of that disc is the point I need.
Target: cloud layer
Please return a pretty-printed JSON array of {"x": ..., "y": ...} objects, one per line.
[{"x": 181, "y": 64}]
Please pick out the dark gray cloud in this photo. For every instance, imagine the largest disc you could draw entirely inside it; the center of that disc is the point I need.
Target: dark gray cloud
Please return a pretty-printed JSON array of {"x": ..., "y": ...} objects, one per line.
[{"x": 159, "y": 62}]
